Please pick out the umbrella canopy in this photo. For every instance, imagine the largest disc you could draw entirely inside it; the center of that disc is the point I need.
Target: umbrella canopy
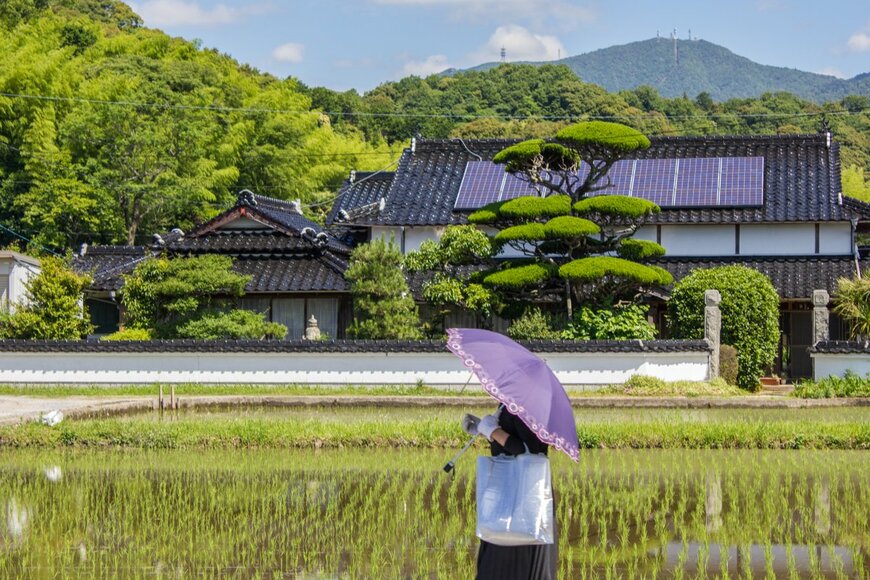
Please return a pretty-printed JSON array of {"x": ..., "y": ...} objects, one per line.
[{"x": 520, "y": 380}]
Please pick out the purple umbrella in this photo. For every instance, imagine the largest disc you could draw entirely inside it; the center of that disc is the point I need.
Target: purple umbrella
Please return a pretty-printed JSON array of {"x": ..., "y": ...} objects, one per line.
[{"x": 521, "y": 381}]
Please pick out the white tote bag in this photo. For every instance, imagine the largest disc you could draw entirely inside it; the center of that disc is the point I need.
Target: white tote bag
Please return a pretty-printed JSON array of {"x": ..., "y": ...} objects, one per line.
[{"x": 514, "y": 500}]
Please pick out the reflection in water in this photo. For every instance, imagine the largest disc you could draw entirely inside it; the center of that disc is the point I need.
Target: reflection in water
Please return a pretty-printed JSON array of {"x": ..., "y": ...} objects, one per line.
[
  {"x": 392, "y": 514},
  {"x": 53, "y": 473},
  {"x": 17, "y": 522},
  {"x": 758, "y": 561}
]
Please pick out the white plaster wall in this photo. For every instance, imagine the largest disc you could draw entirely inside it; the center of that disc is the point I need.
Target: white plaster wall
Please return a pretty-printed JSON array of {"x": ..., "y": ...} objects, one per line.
[
  {"x": 647, "y": 233},
  {"x": 18, "y": 273},
  {"x": 386, "y": 233},
  {"x": 415, "y": 236},
  {"x": 698, "y": 240},
  {"x": 827, "y": 365},
  {"x": 835, "y": 238},
  {"x": 777, "y": 239},
  {"x": 437, "y": 369}
]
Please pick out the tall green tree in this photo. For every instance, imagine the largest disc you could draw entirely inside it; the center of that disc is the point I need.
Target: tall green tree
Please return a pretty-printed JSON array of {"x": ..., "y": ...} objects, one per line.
[
  {"x": 382, "y": 303},
  {"x": 53, "y": 309}
]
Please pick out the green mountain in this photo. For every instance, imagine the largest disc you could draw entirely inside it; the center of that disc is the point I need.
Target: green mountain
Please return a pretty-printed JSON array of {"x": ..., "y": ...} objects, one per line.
[{"x": 692, "y": 67}]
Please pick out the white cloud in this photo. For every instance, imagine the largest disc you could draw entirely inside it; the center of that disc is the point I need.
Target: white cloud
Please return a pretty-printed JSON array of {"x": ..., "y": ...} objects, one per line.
[
  {"x": 831, "y": 71},
  {"x": 432, "y": 65},
  {"x": 168, "y": 13},
  {"x": 859, "y": 42},
  {"x": 519, "y": 44},
  {"x": 564, "y": 13},
  {"x": 179, "y": 13},
  {"x": 290, "y": 52}
]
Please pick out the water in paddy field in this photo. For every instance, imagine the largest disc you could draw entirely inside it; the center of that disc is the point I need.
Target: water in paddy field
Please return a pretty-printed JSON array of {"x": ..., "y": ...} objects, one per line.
[{"x": 394, "y": 514}]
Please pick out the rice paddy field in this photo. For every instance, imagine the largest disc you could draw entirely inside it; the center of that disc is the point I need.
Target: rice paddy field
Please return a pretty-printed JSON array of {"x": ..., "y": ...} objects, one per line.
[{"x": 360, "y": 493}]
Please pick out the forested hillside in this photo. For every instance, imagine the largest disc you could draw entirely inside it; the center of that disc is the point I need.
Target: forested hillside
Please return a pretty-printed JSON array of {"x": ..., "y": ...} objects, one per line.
[
  {"x": 513, "y": 100},
  {"x": 680, "y": 67},
  {"x": 110, "y": 131}
]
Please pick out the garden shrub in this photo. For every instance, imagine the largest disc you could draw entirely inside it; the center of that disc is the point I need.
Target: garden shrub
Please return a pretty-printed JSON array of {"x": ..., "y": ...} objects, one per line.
[
  {"x": 728, "y": 367},
  {"x": 235, "y": 325},
  {"x": 849, "y": 385},
  {"x": 534, "y": 325},
  {"x": 852, "y": 303},
  {"x": 130, "y": 334},
  {"x": 620, "y": 322},
  {"x": 750, "y": 315}
]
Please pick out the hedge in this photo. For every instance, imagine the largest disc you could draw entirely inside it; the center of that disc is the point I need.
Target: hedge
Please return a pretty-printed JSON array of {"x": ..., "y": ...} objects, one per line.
[{"x": 750, "y": 315}]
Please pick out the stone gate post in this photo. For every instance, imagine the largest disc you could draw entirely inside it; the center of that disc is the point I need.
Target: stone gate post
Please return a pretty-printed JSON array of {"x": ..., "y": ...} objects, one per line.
[{"x": 713, "y": 328}]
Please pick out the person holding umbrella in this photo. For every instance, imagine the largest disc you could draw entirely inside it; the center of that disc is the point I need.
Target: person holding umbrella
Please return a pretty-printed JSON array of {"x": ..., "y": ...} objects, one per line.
[
  {"x": 508, "y": 435},
  {"x": 534, "y": 413}
]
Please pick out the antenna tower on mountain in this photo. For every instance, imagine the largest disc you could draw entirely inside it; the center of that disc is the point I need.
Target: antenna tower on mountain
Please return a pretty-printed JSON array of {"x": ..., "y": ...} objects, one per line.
[{"x": 503, "y": 54}]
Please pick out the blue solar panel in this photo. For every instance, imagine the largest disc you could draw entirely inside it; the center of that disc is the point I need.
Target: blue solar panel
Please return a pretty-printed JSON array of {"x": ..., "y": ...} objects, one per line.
[
  {"x": 697, "y": 182},
  {"x": 654, "y": 180},
  {"x": 688, "y": 182},
  {"x": 515, "y": 187},
  {"x": 742, "y": 181},
  {"x": 481, "y": 184}
]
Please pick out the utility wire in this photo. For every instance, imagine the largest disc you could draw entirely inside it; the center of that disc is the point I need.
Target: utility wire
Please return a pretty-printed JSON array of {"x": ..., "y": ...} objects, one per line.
[{"x": 29, "y": 241}]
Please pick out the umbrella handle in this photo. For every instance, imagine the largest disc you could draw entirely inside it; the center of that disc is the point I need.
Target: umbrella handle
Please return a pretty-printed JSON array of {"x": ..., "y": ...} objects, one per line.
[{"x": 452, "y": 463}]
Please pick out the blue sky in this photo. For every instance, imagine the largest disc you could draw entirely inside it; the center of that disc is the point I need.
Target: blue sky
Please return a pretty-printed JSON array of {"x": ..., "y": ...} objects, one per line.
[{"x": 359, "y": 44}]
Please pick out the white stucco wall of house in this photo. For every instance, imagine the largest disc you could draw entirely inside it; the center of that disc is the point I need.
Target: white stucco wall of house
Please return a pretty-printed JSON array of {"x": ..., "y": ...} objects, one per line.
[
  {"x": 835, "y": 238},
  {"x": 698, "y": 240},
  {"x": 777, "y": 239},
  {"x": 326, "y": 368},
  {"x": 15, "y": 270}
]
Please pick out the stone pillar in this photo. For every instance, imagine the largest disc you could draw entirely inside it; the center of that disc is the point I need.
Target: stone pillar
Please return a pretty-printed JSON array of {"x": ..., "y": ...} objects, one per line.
[
  {"x": 821, "y": 316},
  {"x": 713, "y": 328},
  {"x": 312, "y": 331}
]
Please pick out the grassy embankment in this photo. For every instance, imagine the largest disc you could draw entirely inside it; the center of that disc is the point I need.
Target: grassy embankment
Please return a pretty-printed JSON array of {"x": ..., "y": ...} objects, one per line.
[{"x": 438, "y": 427}]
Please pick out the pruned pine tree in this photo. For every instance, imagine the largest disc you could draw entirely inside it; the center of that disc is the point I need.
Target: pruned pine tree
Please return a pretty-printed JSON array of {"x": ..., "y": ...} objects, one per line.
[
  {"x": 577, "y": 239},
  {"x": 382, "y": 303}
]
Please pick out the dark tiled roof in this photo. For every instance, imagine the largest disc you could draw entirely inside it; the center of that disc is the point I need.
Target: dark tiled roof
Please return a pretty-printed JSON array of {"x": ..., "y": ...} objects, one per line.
[
  {"x": 243, "y": 242},
  {"x": 106, "y": 265},
  {"x": 298, "y": 256},
  {"x": 360, "y": 199},
  {"x": 793, "y": 277},
  {"x": 841, "y": 347},
  {"x": 339, "y": 346},
  {"x": 801, "y": 180},
  {"x": 293, "y": 274}
]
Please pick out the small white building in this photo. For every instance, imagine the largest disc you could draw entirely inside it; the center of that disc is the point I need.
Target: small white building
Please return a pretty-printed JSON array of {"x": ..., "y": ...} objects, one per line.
[{"x": 15, "y": 270}]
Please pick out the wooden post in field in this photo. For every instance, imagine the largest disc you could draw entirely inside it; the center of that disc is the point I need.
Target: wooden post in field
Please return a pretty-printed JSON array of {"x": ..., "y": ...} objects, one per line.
[
  {"x": 172, "y": 396},
  {"x": 160, "y": 398}
]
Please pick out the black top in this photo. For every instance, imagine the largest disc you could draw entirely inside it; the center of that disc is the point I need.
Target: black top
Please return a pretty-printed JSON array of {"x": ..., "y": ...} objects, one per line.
[{"x": 518, "y": 433}]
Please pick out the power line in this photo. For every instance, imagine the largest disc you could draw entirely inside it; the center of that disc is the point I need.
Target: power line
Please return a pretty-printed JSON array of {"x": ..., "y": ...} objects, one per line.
[{"x": 29, "y": 241}]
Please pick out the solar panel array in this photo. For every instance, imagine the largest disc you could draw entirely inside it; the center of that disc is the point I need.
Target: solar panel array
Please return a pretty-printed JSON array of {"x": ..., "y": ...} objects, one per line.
[{"x": 689, "y": 182}]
